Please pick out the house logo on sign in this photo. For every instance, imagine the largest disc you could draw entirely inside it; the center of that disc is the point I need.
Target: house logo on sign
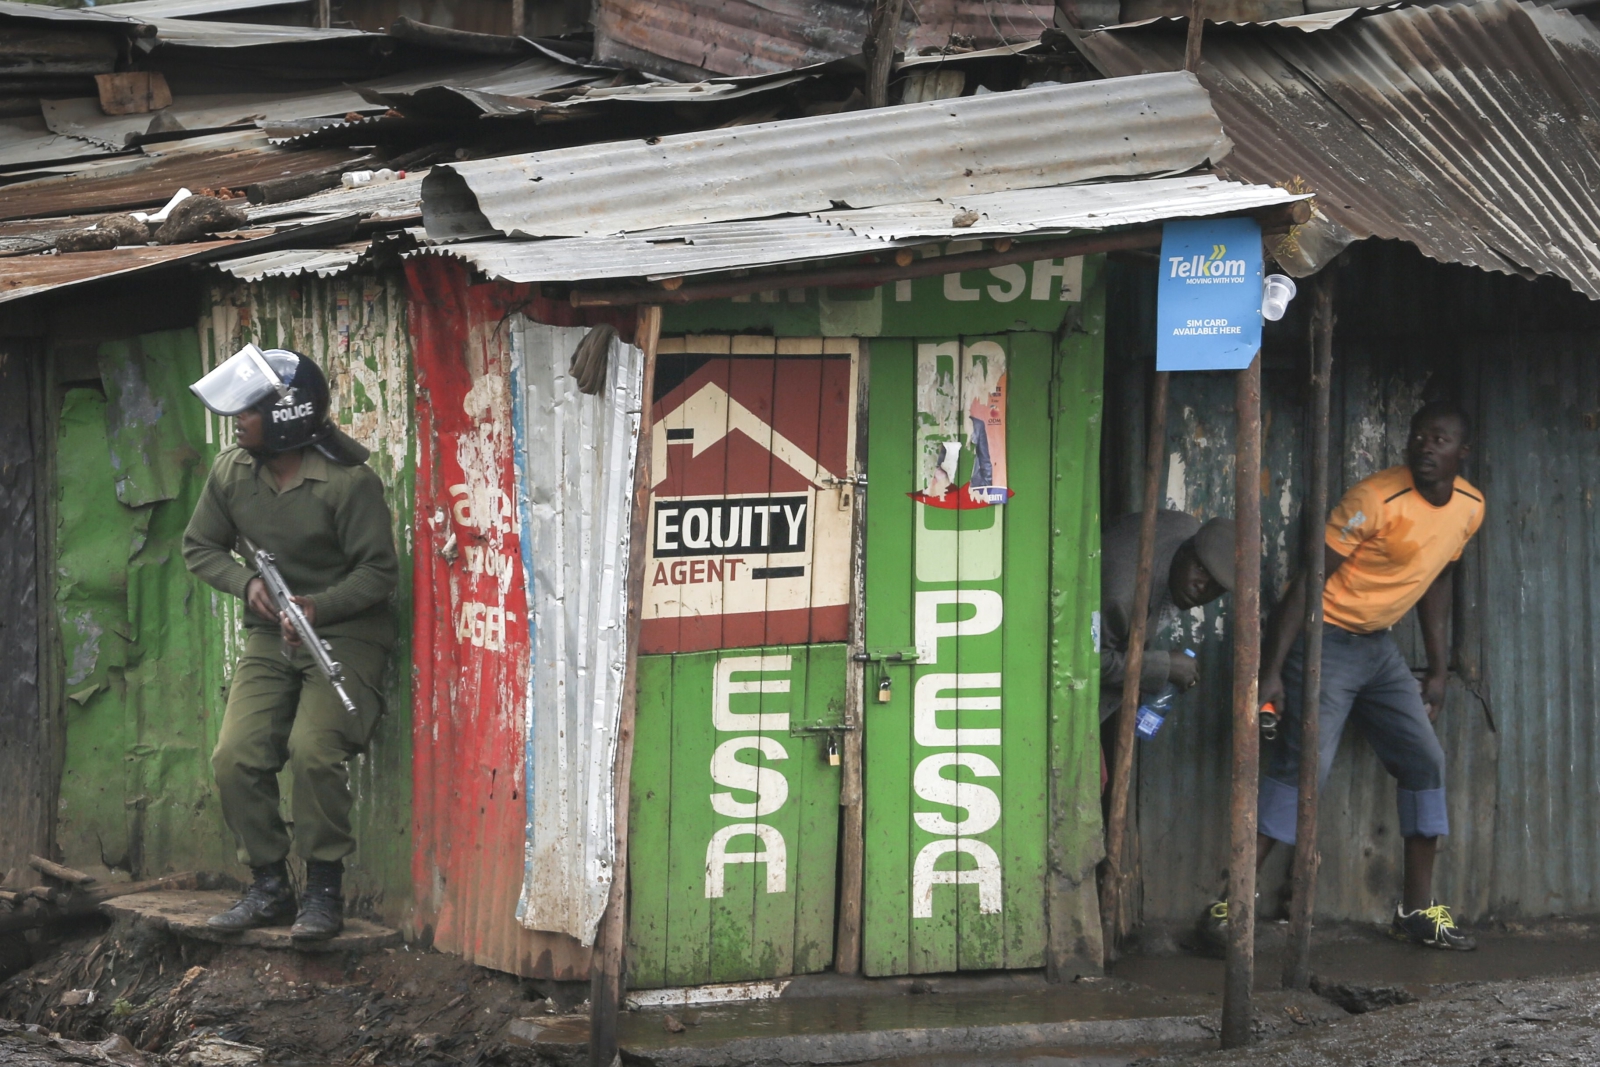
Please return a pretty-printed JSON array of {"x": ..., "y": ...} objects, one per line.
[{"x": 749, "y": 535}]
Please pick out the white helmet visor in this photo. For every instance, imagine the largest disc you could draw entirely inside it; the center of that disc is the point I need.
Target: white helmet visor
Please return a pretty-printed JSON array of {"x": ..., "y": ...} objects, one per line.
[{"x": 240, "y": 382}]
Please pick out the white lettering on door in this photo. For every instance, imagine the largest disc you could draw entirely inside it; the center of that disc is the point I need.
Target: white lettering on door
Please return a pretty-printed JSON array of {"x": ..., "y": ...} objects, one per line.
[{"x": 770, "y": 787}]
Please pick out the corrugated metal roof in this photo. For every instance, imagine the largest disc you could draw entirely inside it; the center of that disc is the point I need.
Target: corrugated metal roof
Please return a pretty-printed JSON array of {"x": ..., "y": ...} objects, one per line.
[
  {"x": 83, "y": 117},
  {"x": 15, "y": 11},
  {"x": 22, "y": 276},
  {"x": 1048, "y": 135},
  {"x": 27, "y": 143},
  {"x": 689, "y": 38},
  {"x": 1467, "y": 130},
  {"x": 1072, "y": 207},
  {"x": 1310, "y": 22},
  {"x": 151, "y": 184},
  {"x": 708, "y": 247},
  {"x": 397, "y": 199},
  {"x": 193, "y": 33},
  {"x": 185, "y": 9},
  {"x": 323, "y": 262},
  {"x": 662, "y": 253}
]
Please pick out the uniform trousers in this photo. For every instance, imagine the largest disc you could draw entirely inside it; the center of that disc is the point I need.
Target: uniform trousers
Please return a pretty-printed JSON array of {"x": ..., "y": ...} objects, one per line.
[{"x": 281, "y": 713}]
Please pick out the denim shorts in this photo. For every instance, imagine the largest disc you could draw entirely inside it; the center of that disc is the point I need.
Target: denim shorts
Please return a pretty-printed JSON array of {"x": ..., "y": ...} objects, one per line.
[{"x": 1365, "y": 680}]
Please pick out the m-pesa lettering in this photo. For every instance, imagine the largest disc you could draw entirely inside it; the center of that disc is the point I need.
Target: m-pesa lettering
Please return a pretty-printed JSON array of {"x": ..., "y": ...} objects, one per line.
[
  {"x": 766, "y": 783},
  {"x": 938, "y": 701}
]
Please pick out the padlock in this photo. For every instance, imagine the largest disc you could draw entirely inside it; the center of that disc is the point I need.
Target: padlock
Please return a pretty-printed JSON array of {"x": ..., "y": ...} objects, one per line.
[
  {"x": 883, "y": 690},
  {"x": 833, "y": 751}
]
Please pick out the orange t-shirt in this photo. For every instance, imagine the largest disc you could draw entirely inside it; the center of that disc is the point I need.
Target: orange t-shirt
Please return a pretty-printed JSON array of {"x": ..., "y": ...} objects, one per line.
[{"x": 1395, "y": 544}]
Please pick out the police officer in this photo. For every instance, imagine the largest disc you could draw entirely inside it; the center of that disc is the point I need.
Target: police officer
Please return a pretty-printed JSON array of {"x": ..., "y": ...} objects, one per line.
[{"x": 299, "y": 488}]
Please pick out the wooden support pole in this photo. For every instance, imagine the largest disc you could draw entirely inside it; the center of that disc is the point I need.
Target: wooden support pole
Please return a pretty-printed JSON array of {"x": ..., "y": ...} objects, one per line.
[
  {"x": 852, "y": 846},
  {"x": 519, "y": 17},
  {"x": 878, "y": 49},
  {"x": 1297, "y": 964},
  {"x": 58, "y": 872},
  {"x": 1111, "y": 887},
  {"x": 1197, "y": 27},
  {"x": 606, "y": 965},
  {"x": 324, "y": 13},
  {"x": 1241, "y": 966}
]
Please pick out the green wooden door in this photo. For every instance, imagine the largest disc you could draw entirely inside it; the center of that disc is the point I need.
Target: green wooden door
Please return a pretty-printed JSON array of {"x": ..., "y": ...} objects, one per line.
[
  {"x": 734, "y": 825},
  {"x": 958, "y": 584}
]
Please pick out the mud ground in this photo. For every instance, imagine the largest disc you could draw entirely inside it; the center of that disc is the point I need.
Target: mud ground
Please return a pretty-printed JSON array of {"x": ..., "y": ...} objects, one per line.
[
  {"x": 167, "y": 996},
  {"x": 1492, "y": 1024}
]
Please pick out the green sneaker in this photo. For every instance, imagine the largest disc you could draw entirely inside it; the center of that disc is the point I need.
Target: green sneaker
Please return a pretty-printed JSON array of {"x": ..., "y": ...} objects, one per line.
[
  {"x": 1432, "y": 927},
  {"x": 1212, "y": 930}
]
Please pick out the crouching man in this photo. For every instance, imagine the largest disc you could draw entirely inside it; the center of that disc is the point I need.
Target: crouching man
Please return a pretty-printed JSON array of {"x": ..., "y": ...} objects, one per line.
[
  {"x": 300, "y": 489},
  {"x": 1192, "y": 565}
]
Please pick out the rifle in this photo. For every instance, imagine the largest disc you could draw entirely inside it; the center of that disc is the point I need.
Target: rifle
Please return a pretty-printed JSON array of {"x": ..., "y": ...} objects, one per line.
[{"x": 321, "y": 651}]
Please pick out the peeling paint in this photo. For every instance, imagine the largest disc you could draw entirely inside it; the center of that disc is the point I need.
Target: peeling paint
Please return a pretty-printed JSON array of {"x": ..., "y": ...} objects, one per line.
[{"x": 354, "y": 326}]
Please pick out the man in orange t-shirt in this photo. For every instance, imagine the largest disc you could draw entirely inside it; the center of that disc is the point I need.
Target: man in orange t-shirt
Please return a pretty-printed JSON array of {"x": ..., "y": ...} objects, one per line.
[{"x": 1391, "y": 544}]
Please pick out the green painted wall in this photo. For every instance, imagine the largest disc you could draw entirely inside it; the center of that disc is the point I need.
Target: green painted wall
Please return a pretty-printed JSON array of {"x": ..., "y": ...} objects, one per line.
[
  {"x": 1049, "y": 317},
  {"x": 140, "y": 640},
  {"x": 705, "y": 772},
  {"x": 354, "y": 326},
  {"x": 956, "y": 760}
]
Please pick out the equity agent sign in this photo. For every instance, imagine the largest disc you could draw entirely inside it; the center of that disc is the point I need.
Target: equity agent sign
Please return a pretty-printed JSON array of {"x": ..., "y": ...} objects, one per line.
[{"x": 1208, "y": 301}]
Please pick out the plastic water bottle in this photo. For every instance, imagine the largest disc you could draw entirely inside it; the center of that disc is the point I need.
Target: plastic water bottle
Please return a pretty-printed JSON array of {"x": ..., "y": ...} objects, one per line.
[{"x": 1154, "y": 712}]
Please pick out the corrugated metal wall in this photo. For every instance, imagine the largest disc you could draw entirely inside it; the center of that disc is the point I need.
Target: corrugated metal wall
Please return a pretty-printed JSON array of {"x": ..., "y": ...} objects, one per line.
[
  {"x": 141, "y": 649},
  {"x": 24, "y": 775},
  {"x": 354, "y": 326},
  {"x": 1519, "y": 727}
]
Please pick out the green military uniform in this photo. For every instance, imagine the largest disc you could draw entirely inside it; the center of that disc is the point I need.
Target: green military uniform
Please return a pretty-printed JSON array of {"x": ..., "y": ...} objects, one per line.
[{"x": 330, "y": 531}]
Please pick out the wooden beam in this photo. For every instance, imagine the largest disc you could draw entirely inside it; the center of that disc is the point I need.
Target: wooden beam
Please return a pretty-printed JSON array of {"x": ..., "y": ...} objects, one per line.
[
  {"x": 1111, "y": 888},
  {"x": 1297, "y": 963},
  {"x": 58, "y": 872},
  {"x": 878, "y": 49},
  {"x": 134, "y": 92},
  {"x": 1191, "y": 45},
  {"x": 1241, "y": 964},
  {"x": 606, "y": 965},
  {"x": 852, "y": 854}
]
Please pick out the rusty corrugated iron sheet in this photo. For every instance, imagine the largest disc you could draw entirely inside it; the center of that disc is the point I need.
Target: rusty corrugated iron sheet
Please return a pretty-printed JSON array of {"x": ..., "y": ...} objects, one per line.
[
  {"x": 470, "y": 627},
  {"x": 696, "y": 37},
  {"x": 1468, "y": 130},
  {"x": 154, "y": 182},
  {"x": 23, "y": 276},
  {"x": 1029, "y": 139}
]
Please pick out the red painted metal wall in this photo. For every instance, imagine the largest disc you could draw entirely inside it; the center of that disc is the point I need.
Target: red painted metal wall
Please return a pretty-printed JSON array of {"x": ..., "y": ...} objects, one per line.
[{"x": 471, "y": 631}]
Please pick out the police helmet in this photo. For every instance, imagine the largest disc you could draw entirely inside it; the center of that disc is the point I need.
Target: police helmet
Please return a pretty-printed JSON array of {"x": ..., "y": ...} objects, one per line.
[{"x": 290, "y": 392}]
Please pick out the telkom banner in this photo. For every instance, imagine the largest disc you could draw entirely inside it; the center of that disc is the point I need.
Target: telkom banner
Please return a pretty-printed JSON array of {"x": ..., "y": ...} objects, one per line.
[{"x": 1208, "y": 302}]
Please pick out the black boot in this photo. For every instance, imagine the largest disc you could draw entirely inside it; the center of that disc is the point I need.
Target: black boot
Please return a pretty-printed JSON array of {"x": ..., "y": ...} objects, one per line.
[
  {"x": 268, "y": 902},
  {"x": 321, "y": 906}
]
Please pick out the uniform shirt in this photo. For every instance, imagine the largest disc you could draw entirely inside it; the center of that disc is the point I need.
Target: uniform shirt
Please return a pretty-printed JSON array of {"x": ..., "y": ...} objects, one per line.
[
  {"x": 329, "y": 528},
  {"x": 1395, "y": 544}
]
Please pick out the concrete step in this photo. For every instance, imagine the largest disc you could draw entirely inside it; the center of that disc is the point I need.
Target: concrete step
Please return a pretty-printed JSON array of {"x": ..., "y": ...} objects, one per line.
[
  {"x": 184, "y": 914},
  {"x": 1066, "y": 1023}
]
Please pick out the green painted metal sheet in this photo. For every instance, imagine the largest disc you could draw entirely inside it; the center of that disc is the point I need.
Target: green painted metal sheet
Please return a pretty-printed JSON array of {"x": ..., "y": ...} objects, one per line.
[
  {"x": 139, "y": 637},
  {"x": 735, "y": 815},
  {"x": 1076, "y": 827},
  {"x": 1019, "y": 296},
  {"x": 354, "y": 326},
  {"x": 956, "y": 771}
]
